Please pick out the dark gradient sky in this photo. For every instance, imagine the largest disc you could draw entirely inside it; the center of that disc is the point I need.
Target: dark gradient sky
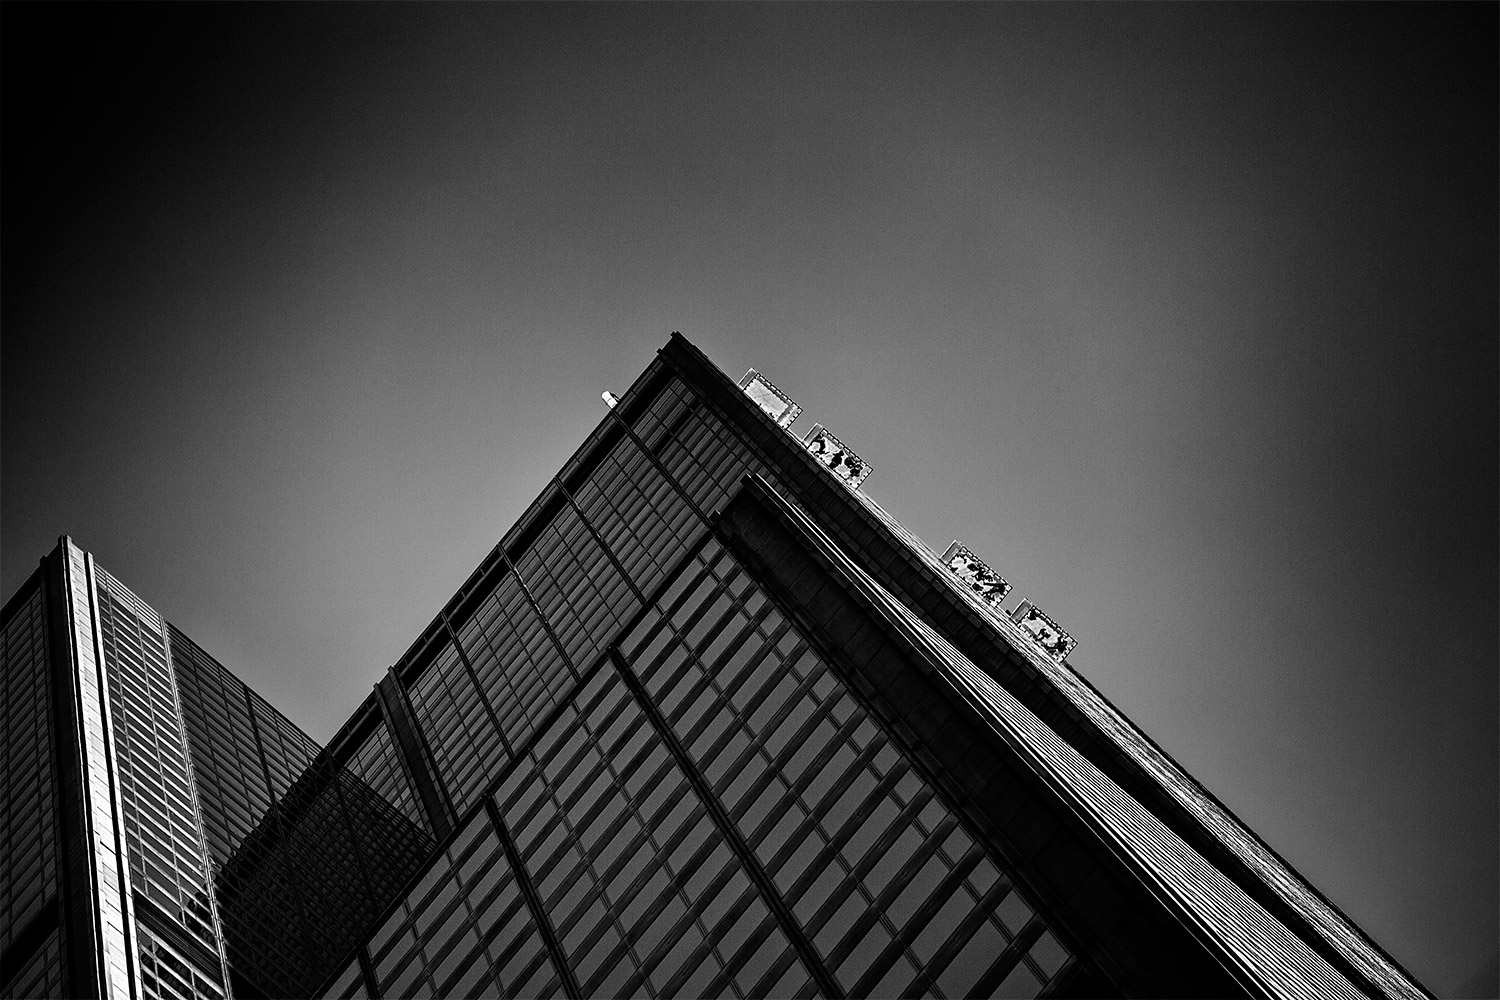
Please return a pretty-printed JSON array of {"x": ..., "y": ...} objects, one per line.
[{"x": 1185, "y": 318}]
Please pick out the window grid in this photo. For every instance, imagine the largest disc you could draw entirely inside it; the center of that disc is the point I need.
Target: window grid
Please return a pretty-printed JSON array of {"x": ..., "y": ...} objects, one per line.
[
  {"x": 698, "y": 450},
  {"x": 643, "y": 891},
  {"x": 303, "y": 895},
  {"x": 375, "y": 761},
  {"x": 307, "y": 853},
  {"x": 234, "y": 796},
  {"x": 517, "y": 665},
  {"x": 576, "y": 587},
  {"x": 286, "y": 750},
  {"x": 637, "y": 513},
  {"x": 166, "y": 974},
  {"x": 464, "y": 743},
  {"x": 891, "y": 890},
  {"x": 579, "y": 824},
  {"x": 42, "y": 975},
  {"x": 168, "y": 860},
  {"x": 581, "y": 597},
  {"x": 463, "y": 930}
]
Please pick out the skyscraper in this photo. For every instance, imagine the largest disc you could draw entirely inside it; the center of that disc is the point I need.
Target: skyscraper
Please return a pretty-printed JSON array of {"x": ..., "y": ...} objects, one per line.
[{"x": 706, "y": 721}]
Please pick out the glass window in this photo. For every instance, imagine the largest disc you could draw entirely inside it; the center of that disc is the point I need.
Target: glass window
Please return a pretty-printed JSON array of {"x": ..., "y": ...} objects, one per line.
[{"x": 878, "y": 870}]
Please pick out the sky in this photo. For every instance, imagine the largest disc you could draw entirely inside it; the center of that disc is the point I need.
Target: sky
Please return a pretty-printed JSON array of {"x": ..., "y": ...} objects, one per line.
[{"x": 1184, "y": 318}]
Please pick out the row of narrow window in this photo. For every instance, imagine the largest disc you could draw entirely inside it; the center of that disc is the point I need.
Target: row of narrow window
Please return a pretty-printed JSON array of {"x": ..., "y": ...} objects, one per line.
[
  {"x": 639, "y": 884},
  {"x": 521, "y": 673}
]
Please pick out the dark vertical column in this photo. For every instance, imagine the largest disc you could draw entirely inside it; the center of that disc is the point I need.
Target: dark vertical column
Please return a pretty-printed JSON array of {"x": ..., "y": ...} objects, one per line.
[
  {"x": 367, "y": 973},
  {"x": 661, "y": 468},
  {"x": 603, "y": 545},
  {"x": 484, "y": 700},
  {"x": 731, "y": 834},
  {"x": 413, "y": 748},
  {"x": 541, "y": 616},
  {"x": 82, "y": 968},
  {"x": 533, "y": 901}
]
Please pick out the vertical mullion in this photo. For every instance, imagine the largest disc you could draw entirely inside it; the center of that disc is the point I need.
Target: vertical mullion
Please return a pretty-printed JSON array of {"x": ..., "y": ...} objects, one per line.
[
  {"x": 367, "y": 973},
  {"x": 736, "y": 843},
  {"x": 533, "y": 901},
  {"x": 661, "y": 468},
  {"x": 603, "y": 546},
  {"x": 474, "y": 678},
  {"x": 541, "y": 616},
  {"x": 414, "y": 751}
]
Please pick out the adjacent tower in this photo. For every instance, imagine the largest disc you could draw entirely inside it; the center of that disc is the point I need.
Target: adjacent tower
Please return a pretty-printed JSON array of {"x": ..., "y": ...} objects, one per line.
[
  {"x": 169, "y": 833},
  {"x": 706, "y": 721},
  {"x": 108, "y": 890}
]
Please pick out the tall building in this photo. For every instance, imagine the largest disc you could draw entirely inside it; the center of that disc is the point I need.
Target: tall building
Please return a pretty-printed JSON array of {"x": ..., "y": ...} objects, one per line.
[{"x": 706, "y": 721}]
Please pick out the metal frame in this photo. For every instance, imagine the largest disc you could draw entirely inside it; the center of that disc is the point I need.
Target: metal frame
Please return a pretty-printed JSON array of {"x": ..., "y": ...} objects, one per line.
[{"x": 783, "y": 417}]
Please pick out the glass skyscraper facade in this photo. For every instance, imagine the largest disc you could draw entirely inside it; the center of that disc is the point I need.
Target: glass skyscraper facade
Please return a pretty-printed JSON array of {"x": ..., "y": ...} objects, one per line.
[{"x": 706, "y": 722}]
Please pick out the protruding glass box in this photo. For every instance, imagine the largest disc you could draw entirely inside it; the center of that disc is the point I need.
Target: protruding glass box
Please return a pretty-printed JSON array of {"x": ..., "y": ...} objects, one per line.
[
  {"x": 976, "y": 573},
  {"x": 1057, "y": 643},
  {"x": 776, "y": 403},
  {"x": 836, "y": 456}
]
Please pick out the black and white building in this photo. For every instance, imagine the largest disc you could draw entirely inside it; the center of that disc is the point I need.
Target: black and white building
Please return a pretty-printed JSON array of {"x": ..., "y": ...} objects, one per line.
[{"x": 707, "y": 721}]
